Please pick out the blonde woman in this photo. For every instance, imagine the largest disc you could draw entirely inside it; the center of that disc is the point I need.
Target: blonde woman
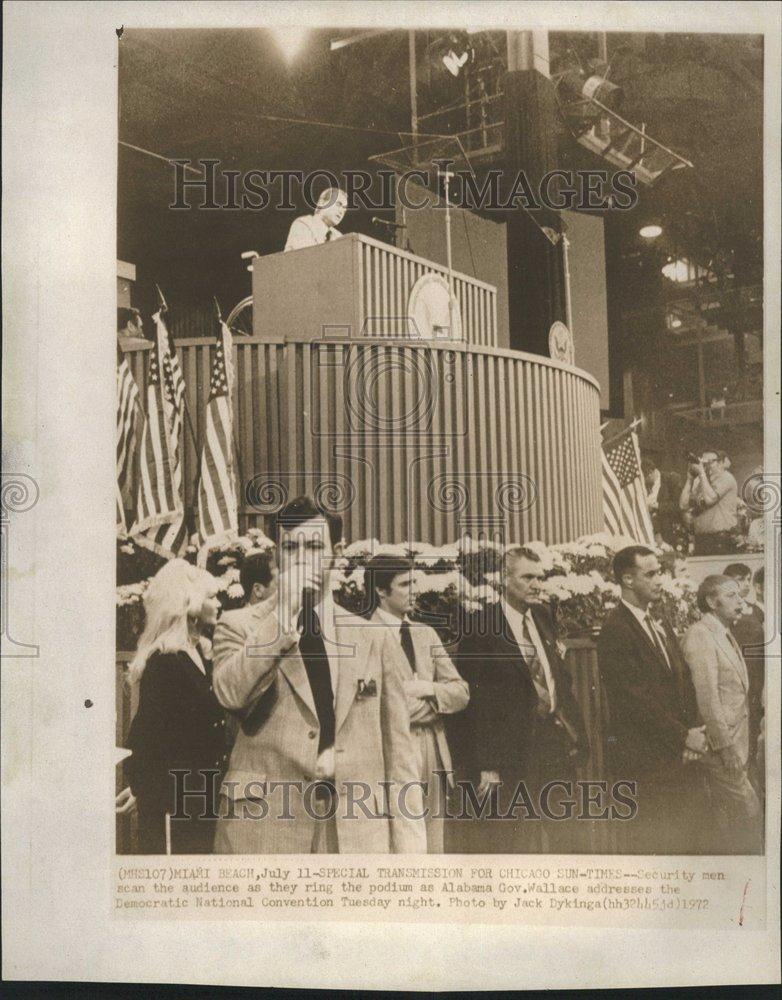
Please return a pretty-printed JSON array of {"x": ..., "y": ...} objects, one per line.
[{"x": 177, "y": 736}]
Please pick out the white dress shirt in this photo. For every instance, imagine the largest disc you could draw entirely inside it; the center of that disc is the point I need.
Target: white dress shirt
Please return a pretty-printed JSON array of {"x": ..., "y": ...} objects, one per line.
[
  {"x": 309, "y": 231},
  {"x": 526, "y": 634}
]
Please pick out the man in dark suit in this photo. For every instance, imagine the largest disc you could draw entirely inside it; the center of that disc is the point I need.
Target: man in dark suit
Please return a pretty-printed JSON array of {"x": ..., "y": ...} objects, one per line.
[
  {"x": 652, "y": 731},
  {"x": 522, "y": 723}
]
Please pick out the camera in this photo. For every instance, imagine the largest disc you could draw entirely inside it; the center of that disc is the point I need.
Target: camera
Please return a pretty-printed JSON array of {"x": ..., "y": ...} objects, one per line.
[{"x": 693, "y": 459}]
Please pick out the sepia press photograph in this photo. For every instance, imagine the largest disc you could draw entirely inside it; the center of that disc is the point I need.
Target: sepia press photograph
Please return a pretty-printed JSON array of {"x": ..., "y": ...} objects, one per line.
[{"x": 442, "y": 515}]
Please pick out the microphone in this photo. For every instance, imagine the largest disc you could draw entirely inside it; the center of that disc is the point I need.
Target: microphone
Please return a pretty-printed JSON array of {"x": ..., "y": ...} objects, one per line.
[{"x": 384, "y": 222}]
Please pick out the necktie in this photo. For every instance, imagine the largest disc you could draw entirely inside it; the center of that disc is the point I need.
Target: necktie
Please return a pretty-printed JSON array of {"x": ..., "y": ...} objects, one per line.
[
  {"x": 536, "y": 669},
  {"x": 407, "y": 644},
  {"x": 329, "y": 236},
  {"x": 316, "y": 663},
  {"x": 655, "y": 637}
]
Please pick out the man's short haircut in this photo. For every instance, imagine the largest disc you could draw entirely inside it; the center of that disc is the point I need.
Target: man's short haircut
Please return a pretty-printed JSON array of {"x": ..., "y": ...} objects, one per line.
[
  {"x": 625, "y": 559},
  {"x": 721, "y": 455},
  {"x": 648, "y": 465},
  {"x": 125, "y": 315},
  {"x": 379, "y": 573},
  {"x": 760, "y": 576},
  {"x": 258, "y": 567},
  {"x": 710, "y": 587},
  {"x": 330, "y": 197},
  {"x": 737, "y": 571},
  {"x": 515, "y": 552},
  {"x": 302, "y": 509}
]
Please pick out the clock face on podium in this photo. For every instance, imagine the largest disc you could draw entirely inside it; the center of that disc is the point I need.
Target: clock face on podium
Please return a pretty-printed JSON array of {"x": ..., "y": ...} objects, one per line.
[{"x": 560, "y": 344}]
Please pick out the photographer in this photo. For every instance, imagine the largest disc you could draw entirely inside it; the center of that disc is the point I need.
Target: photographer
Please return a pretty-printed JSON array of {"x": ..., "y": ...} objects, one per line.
[{"x": 710, "y": 498}]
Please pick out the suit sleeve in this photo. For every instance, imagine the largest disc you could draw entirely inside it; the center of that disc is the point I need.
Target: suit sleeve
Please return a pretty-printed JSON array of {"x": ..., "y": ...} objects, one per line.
[
  {"x": 408, "y": 833},
  {"x": 451, "y": 692},
  {"x": 485, "y": 738},
  {"x": 245, "y": 663},
  {"x": 701, "y": 656},
  {"x": 629, "y": 697}
]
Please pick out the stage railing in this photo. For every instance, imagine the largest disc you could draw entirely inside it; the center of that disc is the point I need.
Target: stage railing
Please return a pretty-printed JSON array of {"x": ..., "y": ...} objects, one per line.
[
  {"x": 388, "y": 275},
  {"x": 429, "y": 440}
]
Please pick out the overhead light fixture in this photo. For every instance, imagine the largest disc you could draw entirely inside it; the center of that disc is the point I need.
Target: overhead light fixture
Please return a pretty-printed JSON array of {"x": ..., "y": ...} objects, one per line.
[
  {"x": 683, "y": 271},
  {"x": 650, "y": 232},
  {"x": 290, "y": 40}
]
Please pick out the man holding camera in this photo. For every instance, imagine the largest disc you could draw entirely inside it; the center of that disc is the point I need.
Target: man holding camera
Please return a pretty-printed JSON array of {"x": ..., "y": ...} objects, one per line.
[{"x": 710, "y": 501}]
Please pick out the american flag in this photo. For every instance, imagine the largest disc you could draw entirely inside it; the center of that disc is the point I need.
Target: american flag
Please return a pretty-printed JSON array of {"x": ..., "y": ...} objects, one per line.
[
  {"x": 216, "y": 517},
  {"x": 160, "y": 509},
  {"x": 128, "y": 410},
  {"x": 624, "y": 494}
]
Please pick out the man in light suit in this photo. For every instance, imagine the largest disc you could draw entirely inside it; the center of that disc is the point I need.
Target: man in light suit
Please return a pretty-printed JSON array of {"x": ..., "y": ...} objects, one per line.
[
  {"x": 432, "y": 684},
  {"x": 324, "y": 761},
  {"x": 719, "y": 674}
]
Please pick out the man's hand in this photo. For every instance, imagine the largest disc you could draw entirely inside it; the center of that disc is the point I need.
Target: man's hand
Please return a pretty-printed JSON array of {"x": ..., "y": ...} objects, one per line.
[
  {"x": 731, "y": 761},
  {"x": 419, "y": 689},
  {"x": 696, "y": 740},
  {"x": 290, "y": 586},
  {"x": 325, "y": 764},
  {"x": 690, "y": 756},
  {"x": 488, "y": 780},
  {"x": 125, "y": 803}
]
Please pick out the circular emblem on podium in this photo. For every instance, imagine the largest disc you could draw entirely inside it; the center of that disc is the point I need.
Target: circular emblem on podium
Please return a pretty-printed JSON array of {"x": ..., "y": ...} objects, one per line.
[
  {"x": 432, "y": 311},
  {"x": 560, "y": 343}
]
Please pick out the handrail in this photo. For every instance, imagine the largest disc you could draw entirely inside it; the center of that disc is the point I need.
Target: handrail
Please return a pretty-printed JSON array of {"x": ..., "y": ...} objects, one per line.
[{"x": 368, "y": 343}]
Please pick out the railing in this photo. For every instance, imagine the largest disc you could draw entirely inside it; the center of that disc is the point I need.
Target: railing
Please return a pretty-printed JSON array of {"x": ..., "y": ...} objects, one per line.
[
  {"x": 387, "y": 276},
  {"x": 430, "y": 440},
  {"x": 748, "y": 412}
]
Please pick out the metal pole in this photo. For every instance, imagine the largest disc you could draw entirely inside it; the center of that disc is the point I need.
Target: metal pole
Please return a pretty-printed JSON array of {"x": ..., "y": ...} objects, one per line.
[
  {"x": 413, "y": 86},
  {"x": 447, "y": 178},
  {"x": 566, "y": 265}
]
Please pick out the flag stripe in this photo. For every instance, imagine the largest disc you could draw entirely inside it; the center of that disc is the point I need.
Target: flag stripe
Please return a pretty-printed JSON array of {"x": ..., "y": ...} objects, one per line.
[
  {"x": 217, "y": 517},
  {"x": 127, "y": 421},
  {"x": 162, "y": 525},
  {"x": 624, "y": 495}
]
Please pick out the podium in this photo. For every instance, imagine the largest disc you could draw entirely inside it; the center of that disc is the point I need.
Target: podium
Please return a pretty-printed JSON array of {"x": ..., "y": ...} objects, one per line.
[{"x": 357, "y": 288}]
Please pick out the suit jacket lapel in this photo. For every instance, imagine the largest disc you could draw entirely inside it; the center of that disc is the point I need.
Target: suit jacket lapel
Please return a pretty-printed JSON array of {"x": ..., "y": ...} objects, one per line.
[
  {"x": 292, "y": 667},
  {"x": 346, "y": 649},
  {"x": 649, "y": 644},
  {"x": 735, "y": 658}
]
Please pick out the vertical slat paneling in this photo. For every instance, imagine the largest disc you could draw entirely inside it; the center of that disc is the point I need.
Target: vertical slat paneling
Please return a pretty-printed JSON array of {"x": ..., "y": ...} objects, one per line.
[{"x": 496, "y": 417}]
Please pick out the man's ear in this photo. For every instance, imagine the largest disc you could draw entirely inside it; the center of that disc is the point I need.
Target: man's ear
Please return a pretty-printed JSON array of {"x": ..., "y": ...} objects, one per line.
[{"x": 338, "y": 549}]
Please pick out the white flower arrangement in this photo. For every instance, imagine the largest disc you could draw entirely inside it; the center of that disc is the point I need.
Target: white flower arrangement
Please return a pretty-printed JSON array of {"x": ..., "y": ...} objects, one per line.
[{"x": 131, "y": 593}]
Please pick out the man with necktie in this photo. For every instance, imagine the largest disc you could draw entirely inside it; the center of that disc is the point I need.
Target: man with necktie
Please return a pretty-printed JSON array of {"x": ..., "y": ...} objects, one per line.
[
  {"x": 652, "y": 731},
  {"x": 719, "y": 674},
  {"x": 321, "y": 226},
  {"x": 324, "y": 761},
  {"x": 523, "y": 725},
  {"x": 432, "y": 684}
]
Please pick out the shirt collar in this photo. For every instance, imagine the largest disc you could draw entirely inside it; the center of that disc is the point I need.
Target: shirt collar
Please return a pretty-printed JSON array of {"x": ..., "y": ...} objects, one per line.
[
  {"x": 714, "y": 623},
  {"x": 511, "y": 612},
  {"x": 637, "y": 612}
]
